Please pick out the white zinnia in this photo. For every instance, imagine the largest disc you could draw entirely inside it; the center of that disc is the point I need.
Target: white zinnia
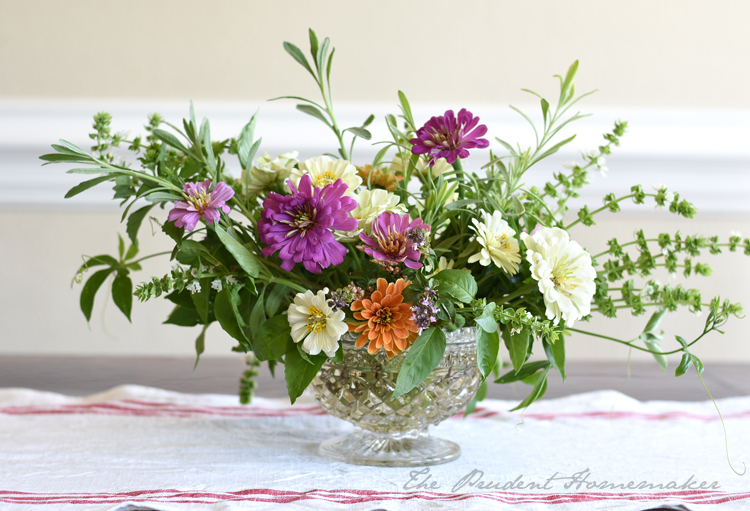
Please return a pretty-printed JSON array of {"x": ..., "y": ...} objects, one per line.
[
  {"x": 564, "y": 272},
  {"x": 314, "y": 321},
  {"x": 325, "y": 171},
  {"x": 441, "y": 165},
  {"x": 499, "y": 243},
  {"x": 268, "y": 171},
  {"x": 371, "y": 204}
]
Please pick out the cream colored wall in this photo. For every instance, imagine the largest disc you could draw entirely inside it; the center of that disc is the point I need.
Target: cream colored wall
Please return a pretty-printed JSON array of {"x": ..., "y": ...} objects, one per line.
[
  {"x": 639, "y": 54},
  {"x": 681, "y": 53}
]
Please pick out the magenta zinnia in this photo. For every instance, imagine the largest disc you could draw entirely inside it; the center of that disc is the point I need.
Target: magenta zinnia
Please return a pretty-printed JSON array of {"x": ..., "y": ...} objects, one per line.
[
  {"x": 395, "y": 239},
  {"x": 449, "y": 138},
  {"x": 299, "y": 225},
  {"x": 201, "y": 203}
]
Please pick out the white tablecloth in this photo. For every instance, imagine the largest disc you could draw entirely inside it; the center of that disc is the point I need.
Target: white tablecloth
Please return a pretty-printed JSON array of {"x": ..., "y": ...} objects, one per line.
[{"x": 143, "y": 448}]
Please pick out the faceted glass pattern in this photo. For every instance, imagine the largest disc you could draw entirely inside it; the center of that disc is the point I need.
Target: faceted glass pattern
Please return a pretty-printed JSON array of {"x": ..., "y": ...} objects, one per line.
[{"x": 393, "y": 432}]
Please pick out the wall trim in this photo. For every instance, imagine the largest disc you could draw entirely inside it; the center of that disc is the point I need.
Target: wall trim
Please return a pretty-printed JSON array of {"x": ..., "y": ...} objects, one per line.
[{"x": 703, "y": 154}]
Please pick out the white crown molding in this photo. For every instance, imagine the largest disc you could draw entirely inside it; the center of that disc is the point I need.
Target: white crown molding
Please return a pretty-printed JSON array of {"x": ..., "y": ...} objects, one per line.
[{"x": 703, "y": 154}]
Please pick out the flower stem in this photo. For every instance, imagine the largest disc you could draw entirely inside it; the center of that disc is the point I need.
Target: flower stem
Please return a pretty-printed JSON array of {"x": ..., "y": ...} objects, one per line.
[{"x": 459, "y": 177}]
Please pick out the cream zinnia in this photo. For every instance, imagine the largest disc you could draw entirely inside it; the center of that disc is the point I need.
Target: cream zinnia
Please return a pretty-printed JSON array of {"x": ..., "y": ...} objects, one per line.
[
  {"x": 499, "y": 243},
  {"x": 268, "y": 171},
  {"x": 315, "y": 324},
  {"x": 324, "y": 171},
  {"x": 564, "y": 272}
]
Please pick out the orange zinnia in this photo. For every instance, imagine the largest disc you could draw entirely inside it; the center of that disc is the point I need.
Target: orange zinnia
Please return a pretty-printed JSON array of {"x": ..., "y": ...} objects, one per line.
[
  {"x": 388, "y": 321},
  {"x": 378, "y": 178}
]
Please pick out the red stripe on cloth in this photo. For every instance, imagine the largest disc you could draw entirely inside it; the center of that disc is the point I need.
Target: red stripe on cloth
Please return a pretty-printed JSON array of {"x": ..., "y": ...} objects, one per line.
[
  {"x": 151, "y": 409},
  {"x": 353, "y": 496},
  {"x": 484, "y": 413},
  {"x": 186, "y": 410}
]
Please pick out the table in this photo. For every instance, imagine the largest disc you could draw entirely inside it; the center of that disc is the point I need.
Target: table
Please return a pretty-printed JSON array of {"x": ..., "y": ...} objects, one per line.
[{"x": 136, "y": 447}]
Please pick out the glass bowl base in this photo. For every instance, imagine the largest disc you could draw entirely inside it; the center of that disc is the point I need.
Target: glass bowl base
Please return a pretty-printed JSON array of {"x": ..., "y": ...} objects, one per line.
[{"x": 415, "y": 449}]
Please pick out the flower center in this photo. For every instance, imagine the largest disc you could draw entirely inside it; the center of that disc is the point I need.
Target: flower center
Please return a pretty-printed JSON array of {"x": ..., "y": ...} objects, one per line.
[
  {"x": 325, "y": 179},
  {"x": 383, "y": 316},
  {"x": 393, "y": 245},
  {"x": 503, "y": 241},
  {"x": 200, "y": 201},
  {"x": 316, "y": 321},
  {"x": 303, "y": 221},
  {"x": 560, "y": 279},
  {"x": 443, "y": 138}
]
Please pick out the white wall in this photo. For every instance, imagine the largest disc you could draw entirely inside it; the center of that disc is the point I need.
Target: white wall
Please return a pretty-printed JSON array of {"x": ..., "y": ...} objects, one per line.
[{"x": 677, "y": 71}]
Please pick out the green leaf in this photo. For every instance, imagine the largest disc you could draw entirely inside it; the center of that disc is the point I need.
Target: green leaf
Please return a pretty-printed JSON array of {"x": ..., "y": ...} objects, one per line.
[
  {"x": 244, "y": 257},
  {"x": 545, "y": 108},
  {"x": 698, "y": 364},
  {"x": 488, "y": 345},
  {"x": 89, "y": 291},
  {"x": 315, "y": 112},
  {"x": 82, "y": 187},
  {"x": 406, "y": 108},
  {"x": 461, "y": 203},
  {"x": 313, "y": 43},
  {"x": 569, "y": 80},
  {"x": 487, "y": 319},
  {"x": 653, "y": 342},
  {"x": 245, "y": 142},
  {"x": 537, "y": 392},
  {"x": 320, "y": 59},
  {"x": 258, "y": 315},
  {"x": 120, "y": 246},
  {"x": 132, "y": 251},
  {"x": 122, "y": 293},
  {"x": 192, "y": 114},
  {"x": 685, "y": 363},
  {"x": 201, "y": 300},
  {"x": 381, "y": 154},
  {"x": 205, "y": 134},
  {"x": 74, "y": 148},
  {"x": 297, "y": 55},
  {"x": 556, "y": 354},
  {"x": 55, "y": 157},
  {"x": 162, "y": 197},
  {"x": 682, "y": 341},
  {"x": 93, "y": 170},
  {"x": 328, "y": 66},
  {"x": 458, "y": 284},
  {"x": 276, "y": 297},
  {"x": 518, "y": 346},
  {"x": 183, "y": 316},
  {"x": 299, "y": 373},
  {"x": 174, "y": 232},
  {"x": 421, "y": 358},
  {"x": 135, "y": 220},
  {"x": 227, "y": 316},
  {"x": 200, "y": 345},
  {"x": 171, "y": 140},
  {"x": 526, "y": 371},
  {"x": 654, "y": 320},
  {"x": 554, "y": 148},
  {"x": 360, "y": 132},
  {"x": 102, "y": 259},
  {"x": 273, "y": 338}
]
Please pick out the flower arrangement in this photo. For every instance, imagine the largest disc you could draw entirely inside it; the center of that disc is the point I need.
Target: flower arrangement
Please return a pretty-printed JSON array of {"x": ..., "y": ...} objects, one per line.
[{"x": 288, "y": 256}]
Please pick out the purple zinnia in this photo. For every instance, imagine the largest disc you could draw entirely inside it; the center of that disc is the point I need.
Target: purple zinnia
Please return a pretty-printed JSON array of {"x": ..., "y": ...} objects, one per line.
[
  {"x": 391, "y": 240},
  {"x": 449, "y": 138},
  {"x": 201, "y": 204},
  {"x": 300, "y": 224}
]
